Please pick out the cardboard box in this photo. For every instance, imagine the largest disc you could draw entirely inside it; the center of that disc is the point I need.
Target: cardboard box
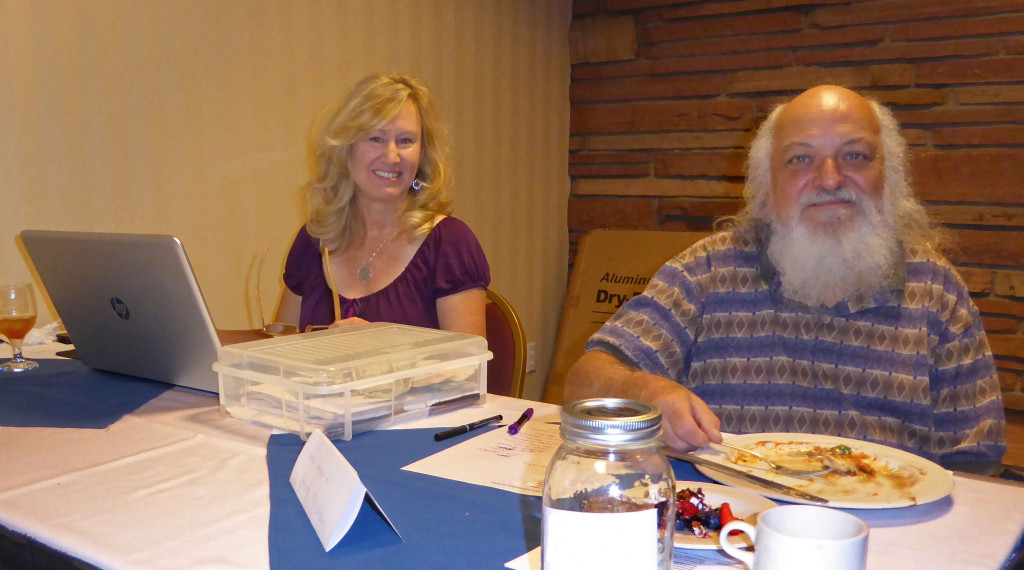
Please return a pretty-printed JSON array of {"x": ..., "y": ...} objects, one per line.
[{"x": 612, "y": 266}]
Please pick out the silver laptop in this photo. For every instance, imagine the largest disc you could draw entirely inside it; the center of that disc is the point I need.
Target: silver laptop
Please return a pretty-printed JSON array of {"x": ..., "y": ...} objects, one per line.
[{"x": 130, "y": 304}]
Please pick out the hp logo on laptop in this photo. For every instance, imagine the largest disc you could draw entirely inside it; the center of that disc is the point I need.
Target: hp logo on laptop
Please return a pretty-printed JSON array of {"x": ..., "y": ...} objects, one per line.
[{"x": 120, "y": 308}]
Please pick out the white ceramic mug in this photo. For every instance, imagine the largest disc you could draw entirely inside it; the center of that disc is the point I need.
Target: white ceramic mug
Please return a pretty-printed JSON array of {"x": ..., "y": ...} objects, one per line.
[{"x": 800, "y": 537}]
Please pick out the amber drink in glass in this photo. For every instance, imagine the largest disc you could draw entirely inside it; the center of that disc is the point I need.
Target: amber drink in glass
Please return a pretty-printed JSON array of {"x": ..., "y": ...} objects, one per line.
[{"x": 17, "y": 317}]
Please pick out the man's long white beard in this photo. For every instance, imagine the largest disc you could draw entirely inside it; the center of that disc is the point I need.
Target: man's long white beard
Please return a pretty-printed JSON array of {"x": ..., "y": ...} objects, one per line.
[{"x": 824, "y": 264}]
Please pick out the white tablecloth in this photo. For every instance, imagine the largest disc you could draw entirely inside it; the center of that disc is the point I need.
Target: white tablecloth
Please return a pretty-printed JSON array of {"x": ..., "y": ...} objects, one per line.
[
  {"x": 181, "y": 484},
  {"x": 976, "y": 529},
  {"x": 177, "y": 484}
]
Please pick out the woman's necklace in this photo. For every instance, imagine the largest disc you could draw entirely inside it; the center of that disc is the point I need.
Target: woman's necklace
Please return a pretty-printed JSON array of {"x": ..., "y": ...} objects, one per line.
[{"x": 364, "y": 274}]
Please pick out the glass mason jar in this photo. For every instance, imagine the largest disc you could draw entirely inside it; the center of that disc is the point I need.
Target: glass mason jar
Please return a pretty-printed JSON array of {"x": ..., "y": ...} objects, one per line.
[{"x": 609, "y": 493}]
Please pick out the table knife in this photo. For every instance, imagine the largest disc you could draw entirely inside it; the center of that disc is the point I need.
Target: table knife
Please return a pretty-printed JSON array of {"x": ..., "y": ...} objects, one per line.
[{"x": 761, "y": 481}]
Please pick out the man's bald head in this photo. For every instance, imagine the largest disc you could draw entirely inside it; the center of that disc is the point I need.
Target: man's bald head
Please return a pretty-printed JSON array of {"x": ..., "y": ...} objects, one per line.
[{"x": 826, "y": 158}]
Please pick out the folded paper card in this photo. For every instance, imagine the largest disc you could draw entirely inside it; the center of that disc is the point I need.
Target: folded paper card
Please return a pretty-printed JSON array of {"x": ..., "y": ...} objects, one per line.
[{"x": 330, "y": 490}]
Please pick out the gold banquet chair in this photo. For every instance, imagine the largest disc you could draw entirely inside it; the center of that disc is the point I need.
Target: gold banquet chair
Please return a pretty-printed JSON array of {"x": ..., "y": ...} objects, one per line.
[{"x": 506, "y": 340}]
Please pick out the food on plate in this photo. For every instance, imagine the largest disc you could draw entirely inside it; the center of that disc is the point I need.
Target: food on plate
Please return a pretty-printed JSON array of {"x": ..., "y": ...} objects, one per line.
[
  {"x": 847, "y": 466},
  {"x": 844, "y": 461},
  {"x": 864, "y": 475},
  {"x": 839, "y": 459},
  {"x": 694, "y": 514}
]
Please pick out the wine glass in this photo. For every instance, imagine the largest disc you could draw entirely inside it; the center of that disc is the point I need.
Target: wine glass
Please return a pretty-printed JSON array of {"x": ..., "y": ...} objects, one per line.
[{"x": 17, "y": 317}]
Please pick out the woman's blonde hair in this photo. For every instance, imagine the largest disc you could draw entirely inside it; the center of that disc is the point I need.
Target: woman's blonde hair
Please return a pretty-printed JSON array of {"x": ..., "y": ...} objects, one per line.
[{"x": 331, "y": 214}]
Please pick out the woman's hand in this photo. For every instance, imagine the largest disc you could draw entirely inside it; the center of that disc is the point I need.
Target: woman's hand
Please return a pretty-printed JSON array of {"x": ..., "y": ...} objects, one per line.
[{"x": 348, "y": 322}]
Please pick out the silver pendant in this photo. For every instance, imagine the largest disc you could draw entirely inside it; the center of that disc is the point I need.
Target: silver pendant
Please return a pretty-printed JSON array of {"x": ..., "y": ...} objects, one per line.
[{"x": 364, "y": 274}]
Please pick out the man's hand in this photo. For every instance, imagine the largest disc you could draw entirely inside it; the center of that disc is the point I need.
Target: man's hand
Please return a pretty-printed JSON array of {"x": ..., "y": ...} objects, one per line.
[{"x": 686, "y": 420}]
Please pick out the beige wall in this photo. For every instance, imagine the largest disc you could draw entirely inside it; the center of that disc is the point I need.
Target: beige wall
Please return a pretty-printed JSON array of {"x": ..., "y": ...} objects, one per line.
[{"x": 190, "y": 117}]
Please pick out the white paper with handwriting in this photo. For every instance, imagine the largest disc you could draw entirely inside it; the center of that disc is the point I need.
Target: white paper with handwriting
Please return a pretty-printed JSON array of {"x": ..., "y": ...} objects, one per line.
[
  {"x": 496, "y": 459},
  {"x": 329, "y": 489}
]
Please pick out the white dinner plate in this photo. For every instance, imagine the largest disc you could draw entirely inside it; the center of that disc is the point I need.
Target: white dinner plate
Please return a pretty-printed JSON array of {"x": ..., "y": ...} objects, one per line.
[
  {"x": 744, "y": 505},
  {"x": 914, "y": 480}
]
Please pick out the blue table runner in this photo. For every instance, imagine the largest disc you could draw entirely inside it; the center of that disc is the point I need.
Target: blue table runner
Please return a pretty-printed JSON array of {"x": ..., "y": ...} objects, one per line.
[
  {"x": 67, "y": 394},
  {"x": 444, "y": 523}
]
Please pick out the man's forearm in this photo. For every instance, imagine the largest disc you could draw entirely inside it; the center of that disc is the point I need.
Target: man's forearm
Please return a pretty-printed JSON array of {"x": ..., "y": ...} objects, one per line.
[{"x": 601, "y": 375}]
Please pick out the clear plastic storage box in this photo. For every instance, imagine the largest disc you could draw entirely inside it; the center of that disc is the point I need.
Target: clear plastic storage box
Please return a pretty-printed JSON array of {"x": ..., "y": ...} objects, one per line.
[{"x": 353, "y": 379}]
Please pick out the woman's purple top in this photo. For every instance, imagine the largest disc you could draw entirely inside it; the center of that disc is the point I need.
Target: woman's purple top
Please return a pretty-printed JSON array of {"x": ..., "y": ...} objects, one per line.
[{"x": 449, "y": 260}]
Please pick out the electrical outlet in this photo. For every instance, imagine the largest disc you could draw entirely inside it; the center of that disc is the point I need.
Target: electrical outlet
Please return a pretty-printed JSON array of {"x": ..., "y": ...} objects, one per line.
[{"x": 531, "y": 357}]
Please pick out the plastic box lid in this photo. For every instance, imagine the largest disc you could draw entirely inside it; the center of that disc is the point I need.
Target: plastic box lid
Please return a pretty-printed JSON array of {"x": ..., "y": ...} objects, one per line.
[{"x": 351, "y": 357}]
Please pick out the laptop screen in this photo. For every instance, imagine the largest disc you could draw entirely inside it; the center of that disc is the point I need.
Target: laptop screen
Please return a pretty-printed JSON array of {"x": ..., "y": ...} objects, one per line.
[{"x": 130, "y": 303}]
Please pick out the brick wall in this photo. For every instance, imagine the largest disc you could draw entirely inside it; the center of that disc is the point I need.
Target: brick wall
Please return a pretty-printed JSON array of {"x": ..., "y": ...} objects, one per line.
[{"x": 665, "y": 94}]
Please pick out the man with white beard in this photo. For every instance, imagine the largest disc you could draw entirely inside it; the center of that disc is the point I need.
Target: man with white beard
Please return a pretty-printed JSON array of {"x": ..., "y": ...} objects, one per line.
[{"x": 825, "y": 306}]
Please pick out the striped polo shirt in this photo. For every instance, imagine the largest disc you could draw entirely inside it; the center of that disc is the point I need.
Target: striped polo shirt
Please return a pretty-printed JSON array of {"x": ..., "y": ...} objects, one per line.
[{"x": 909, "y": 367}]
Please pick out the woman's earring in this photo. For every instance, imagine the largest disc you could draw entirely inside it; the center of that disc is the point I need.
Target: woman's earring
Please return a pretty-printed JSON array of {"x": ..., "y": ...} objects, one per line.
[{"x": 416, "y": 185}]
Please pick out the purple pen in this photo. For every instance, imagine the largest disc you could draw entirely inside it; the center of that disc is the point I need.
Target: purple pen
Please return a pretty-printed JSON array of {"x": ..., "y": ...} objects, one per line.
[{"x": 518, "y": 424}]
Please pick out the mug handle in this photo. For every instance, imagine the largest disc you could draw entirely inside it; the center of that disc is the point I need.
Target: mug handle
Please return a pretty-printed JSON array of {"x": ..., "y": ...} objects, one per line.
[{"x": 723, "y": 540}]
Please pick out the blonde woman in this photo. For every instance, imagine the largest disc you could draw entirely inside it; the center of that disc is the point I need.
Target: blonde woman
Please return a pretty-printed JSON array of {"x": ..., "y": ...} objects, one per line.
[{"x": 379, "y": 243}]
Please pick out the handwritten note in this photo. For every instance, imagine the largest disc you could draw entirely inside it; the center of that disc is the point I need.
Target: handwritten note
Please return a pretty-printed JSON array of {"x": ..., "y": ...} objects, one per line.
[
  {"x": 496, "y": 459},
  {"x": 329, "y": 489}
]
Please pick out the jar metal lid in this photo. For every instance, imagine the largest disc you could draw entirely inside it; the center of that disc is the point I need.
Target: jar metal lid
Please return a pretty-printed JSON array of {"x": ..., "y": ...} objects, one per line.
[{"x": 610, "y": 421}]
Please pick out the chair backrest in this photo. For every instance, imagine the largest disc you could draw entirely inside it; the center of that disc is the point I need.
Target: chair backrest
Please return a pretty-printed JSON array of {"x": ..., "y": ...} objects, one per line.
[
  {"x": 610, "y": 267},
  {"x": 506, "y": 340}
]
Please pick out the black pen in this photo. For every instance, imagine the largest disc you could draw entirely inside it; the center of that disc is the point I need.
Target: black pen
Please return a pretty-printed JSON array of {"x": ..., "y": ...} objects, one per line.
[
  {"x": 443, "y": 435},
  {"x": 518, "y": 424}
]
